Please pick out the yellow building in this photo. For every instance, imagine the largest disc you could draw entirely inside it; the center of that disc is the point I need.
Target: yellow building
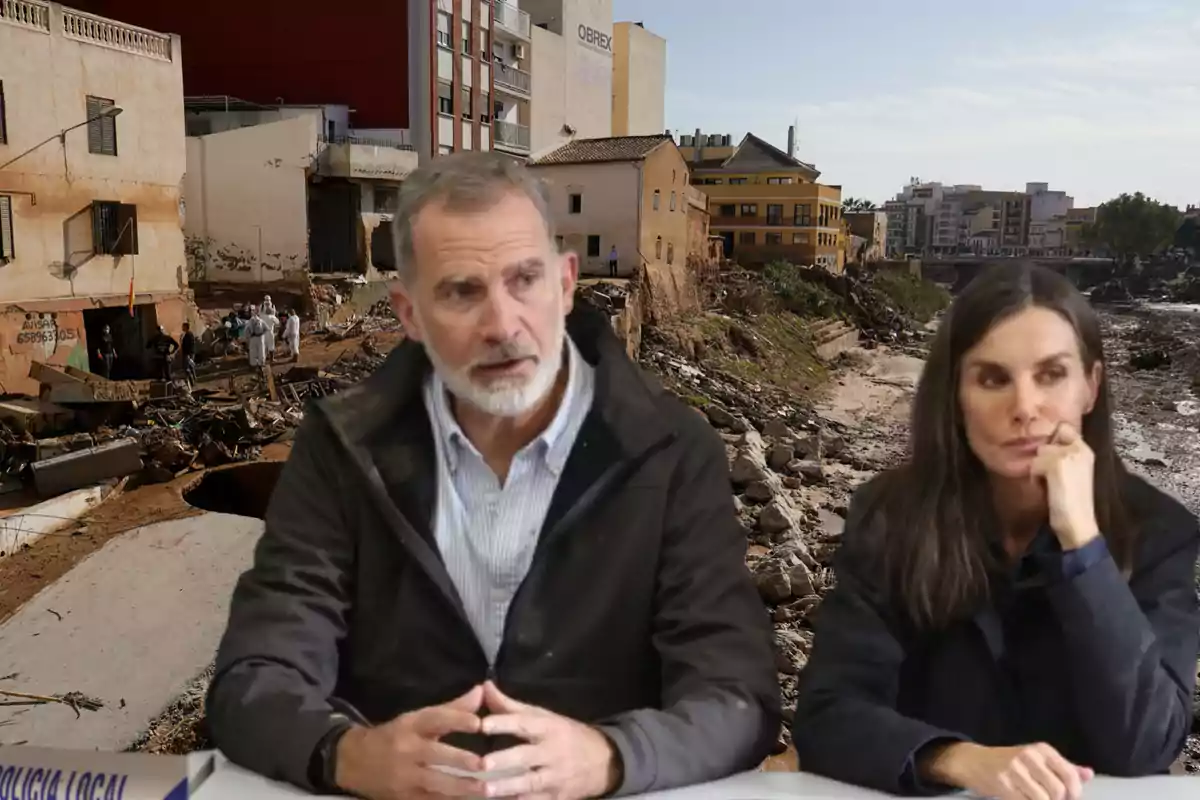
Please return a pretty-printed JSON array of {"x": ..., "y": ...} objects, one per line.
[
  {"x": 765, "y": 203},
  {"x": 639, "y": 81}
]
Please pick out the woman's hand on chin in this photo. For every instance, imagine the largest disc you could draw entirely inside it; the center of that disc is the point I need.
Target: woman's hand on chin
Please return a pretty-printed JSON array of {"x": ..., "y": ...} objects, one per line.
[{"x": 1066, "y": 465}]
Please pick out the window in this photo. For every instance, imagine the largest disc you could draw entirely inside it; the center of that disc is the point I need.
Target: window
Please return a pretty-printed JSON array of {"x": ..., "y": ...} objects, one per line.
[
  {"x": 657, "y": 197},
  {"x": 485, "y": 47},
  {"x": 749, "y": 210},
  {"x": 780, "y": 181},
  {"x": 799, "y": 238},
  {"x": 485, "y": 102},
  {"x": 466, "y": 102},
  {"x": 658, "y": 247},
  {"x": 445, "y": 99},
  {"x": 593, "y": 246},
  {"x": 445, "y": 149},
  {"x": 774, "y": 238},
  {"x": 114, "y": 228},
  {"x": 727, "y": 210},
  {"x": 101, "y": 131},
  {"x": 774, "y": 214},
  {"x": 443, "y": 29},
  {"x": 670, "y": 252},
  {"x": 3, "y": 125},
  {"x": 736, "y": 181},
  {"x": 672, "y": 201},
  {"x": 575, "y": 204},
  {"x": 6, "y": 229},
  {"x": 746, "y": 237},
  {"x": 466, "y": 38},
  {"x": 387, "y": 199},
  {"x": 803, "y": 216}
]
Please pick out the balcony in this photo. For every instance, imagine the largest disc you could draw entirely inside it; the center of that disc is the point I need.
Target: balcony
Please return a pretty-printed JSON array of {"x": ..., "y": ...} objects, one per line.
[
  {"x": 358, "y": 157},
  {"x": 511, "y": 19},
  {"x": 26, "y": 13},
  {"x": 511, "y": 79},
  {"x": 510, "y": 136}
]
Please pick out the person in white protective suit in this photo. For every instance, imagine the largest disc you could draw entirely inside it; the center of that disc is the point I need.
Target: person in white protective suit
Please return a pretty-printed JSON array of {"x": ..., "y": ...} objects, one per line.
[
  {"x": 291, "y": 335},
  {"x": 268, "y": 307},
  {"x": 272, "y": 323},
  {"x": 254, "y": 335}
]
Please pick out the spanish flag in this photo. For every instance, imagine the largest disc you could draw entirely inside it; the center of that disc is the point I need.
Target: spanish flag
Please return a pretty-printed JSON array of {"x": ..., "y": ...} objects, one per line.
[{"x": 131, "y": 295}]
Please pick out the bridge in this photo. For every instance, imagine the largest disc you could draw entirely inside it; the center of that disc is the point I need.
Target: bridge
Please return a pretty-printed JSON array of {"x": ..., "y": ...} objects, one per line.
[{"x": 958, "y": 271}]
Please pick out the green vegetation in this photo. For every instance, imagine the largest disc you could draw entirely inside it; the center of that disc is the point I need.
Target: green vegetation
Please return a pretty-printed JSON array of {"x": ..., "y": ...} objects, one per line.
[
  {"x": 774, "y": 348},
  {"x": 1133, "y": 225},
  {"x": 800, "y": 295},
  {"x": 914, "y": 297}
]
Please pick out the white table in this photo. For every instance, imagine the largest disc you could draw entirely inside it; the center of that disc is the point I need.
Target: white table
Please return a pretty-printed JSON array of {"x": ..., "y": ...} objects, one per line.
[{"x": 230, "y": 782}]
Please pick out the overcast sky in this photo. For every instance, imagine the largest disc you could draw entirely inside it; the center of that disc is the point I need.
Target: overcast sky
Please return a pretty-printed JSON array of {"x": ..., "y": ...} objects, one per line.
[{"x": 1096, "y": 97}]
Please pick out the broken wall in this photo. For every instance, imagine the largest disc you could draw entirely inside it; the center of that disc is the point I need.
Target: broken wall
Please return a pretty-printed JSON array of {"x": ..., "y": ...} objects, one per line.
[{"x": 247, "y": 202}]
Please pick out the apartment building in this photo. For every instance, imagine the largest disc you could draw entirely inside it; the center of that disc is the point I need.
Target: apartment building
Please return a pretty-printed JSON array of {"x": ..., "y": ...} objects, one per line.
[
  {"x": 639, "y": 81},
  {"x": 764, "y": 203},
  {"x": 91, "y": 160},
  {"x": 934, "y": 219},
  {"x": 630, "y": 193}
]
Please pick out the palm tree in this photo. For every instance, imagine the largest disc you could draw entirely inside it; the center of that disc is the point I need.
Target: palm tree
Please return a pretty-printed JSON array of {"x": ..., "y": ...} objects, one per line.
[{"x": 854, "y": 204}]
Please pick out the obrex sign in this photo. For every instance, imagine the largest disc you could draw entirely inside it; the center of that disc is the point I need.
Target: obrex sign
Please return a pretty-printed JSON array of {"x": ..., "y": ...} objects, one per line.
[{"x": 589, "y": 35}]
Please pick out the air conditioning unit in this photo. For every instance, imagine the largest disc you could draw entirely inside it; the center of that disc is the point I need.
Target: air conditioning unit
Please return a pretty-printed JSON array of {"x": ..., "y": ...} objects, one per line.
[{"x": 518, "y": 51}]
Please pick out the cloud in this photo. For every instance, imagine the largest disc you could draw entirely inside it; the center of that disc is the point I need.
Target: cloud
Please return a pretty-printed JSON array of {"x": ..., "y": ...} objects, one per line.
[{"x": 1078, "y": 108}]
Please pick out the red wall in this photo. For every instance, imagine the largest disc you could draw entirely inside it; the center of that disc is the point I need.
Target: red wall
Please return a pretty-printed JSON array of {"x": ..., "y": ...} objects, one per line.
[{"x": 345, "y": 53}]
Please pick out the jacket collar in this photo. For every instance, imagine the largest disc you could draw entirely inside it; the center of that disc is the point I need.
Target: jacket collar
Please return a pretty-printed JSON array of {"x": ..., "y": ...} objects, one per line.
[{"x": 627, "y": 400}]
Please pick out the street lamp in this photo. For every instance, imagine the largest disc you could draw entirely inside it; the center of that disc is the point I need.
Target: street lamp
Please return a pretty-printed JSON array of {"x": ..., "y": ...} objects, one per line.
[{"x": 106, "y": 113}]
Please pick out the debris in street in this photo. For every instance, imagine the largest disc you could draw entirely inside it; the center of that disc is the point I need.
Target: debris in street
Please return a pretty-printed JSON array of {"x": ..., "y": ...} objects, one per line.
[
  {"x": 73, "y": 700},
  {"x": 74, "y": 470}
]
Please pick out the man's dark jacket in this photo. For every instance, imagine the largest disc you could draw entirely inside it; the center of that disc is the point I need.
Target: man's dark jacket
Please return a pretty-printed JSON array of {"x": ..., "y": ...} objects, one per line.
[
  {"x": 637, "y": 614},
  {"x": 1098, "y": 664}
]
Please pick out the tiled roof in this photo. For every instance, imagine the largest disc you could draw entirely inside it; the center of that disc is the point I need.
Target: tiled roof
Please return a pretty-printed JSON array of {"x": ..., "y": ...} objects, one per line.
[{"x": 596, "y": 151}]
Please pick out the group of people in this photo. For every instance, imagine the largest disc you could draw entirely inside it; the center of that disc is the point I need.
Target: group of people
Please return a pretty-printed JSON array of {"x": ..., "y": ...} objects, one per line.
[
  {"x": 259, "y": 332},
  {"x": 509, "y": 563}
]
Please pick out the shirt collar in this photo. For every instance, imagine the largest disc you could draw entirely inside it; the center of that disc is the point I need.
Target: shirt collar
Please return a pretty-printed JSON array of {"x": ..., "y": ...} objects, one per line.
[{"x": 552, "y": 443}]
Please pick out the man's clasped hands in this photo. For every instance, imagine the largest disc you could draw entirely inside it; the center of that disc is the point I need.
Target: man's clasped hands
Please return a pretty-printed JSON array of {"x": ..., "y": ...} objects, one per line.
[{"x": 557, "y": 759}]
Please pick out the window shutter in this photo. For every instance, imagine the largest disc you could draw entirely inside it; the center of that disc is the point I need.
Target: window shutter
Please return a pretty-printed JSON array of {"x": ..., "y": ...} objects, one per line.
[
  {"x": 108, "y": 135},
  {"x": 94, "y": 128},
  {"x": 6, "y": 227}
]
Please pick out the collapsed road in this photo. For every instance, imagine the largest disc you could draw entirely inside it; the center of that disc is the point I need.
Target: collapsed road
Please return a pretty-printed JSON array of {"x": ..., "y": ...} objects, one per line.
[{"x": 801, "y": 434}]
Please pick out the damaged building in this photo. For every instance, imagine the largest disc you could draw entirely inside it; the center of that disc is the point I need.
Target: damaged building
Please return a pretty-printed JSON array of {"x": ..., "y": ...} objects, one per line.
[
  {"x": 91, "y": 164},
  {"x": 276, "y": 192}
]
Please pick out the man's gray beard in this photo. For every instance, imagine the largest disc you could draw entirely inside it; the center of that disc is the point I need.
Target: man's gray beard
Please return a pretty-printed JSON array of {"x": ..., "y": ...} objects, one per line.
[{"x": 504, "y": 397}]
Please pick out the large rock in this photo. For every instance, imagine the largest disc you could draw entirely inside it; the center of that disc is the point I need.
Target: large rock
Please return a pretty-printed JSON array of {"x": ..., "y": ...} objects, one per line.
[{"x": 750, "y": 469}]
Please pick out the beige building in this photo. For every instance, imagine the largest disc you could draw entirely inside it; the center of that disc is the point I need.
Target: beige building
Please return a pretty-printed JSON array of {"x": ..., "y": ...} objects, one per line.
[
  {"x": 639, "y": 81},
  {"x": 628, "y": 192},
  {"x": 572, "y": 50},
  {"x": 869, "y": 230},
  {"x": 91, "y": 161},
  {"x": 275, "y": 193}
]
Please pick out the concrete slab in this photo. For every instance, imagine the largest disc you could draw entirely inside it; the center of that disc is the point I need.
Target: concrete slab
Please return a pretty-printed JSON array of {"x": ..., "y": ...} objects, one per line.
[
  {"x": 131, "y": 625},
  {"x": 19, "y": 528}
]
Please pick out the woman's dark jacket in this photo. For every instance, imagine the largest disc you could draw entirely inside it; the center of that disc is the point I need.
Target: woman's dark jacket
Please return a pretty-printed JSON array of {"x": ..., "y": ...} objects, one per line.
[{"x": 1069, "y": 652}]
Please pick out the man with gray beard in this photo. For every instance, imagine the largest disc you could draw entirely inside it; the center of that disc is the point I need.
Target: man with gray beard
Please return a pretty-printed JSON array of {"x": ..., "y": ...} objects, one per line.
[{"x": 508, "y": 563}]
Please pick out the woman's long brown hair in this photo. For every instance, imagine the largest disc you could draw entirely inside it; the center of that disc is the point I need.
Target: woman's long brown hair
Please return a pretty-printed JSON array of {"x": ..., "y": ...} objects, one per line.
[{"x": 938, "y": 522}]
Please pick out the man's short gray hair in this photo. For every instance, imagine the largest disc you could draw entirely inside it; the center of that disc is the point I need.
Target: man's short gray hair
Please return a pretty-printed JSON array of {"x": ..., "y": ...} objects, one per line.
[{"x": 465, "y": 182}]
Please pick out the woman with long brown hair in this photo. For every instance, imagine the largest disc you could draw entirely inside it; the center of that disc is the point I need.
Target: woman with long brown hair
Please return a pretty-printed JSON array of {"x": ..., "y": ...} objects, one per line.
[{"x": 1014, "y": 611}]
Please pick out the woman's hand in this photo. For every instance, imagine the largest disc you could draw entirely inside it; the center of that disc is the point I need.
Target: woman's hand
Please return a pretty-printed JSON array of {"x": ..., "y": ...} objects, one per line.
[
  {"x": 1027, "y": 772},
  {"x": 1067, "y": 466}
]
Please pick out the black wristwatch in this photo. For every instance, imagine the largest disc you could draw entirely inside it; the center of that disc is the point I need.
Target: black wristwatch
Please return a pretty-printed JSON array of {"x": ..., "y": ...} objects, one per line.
[{"x": 323, "y": 766}]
